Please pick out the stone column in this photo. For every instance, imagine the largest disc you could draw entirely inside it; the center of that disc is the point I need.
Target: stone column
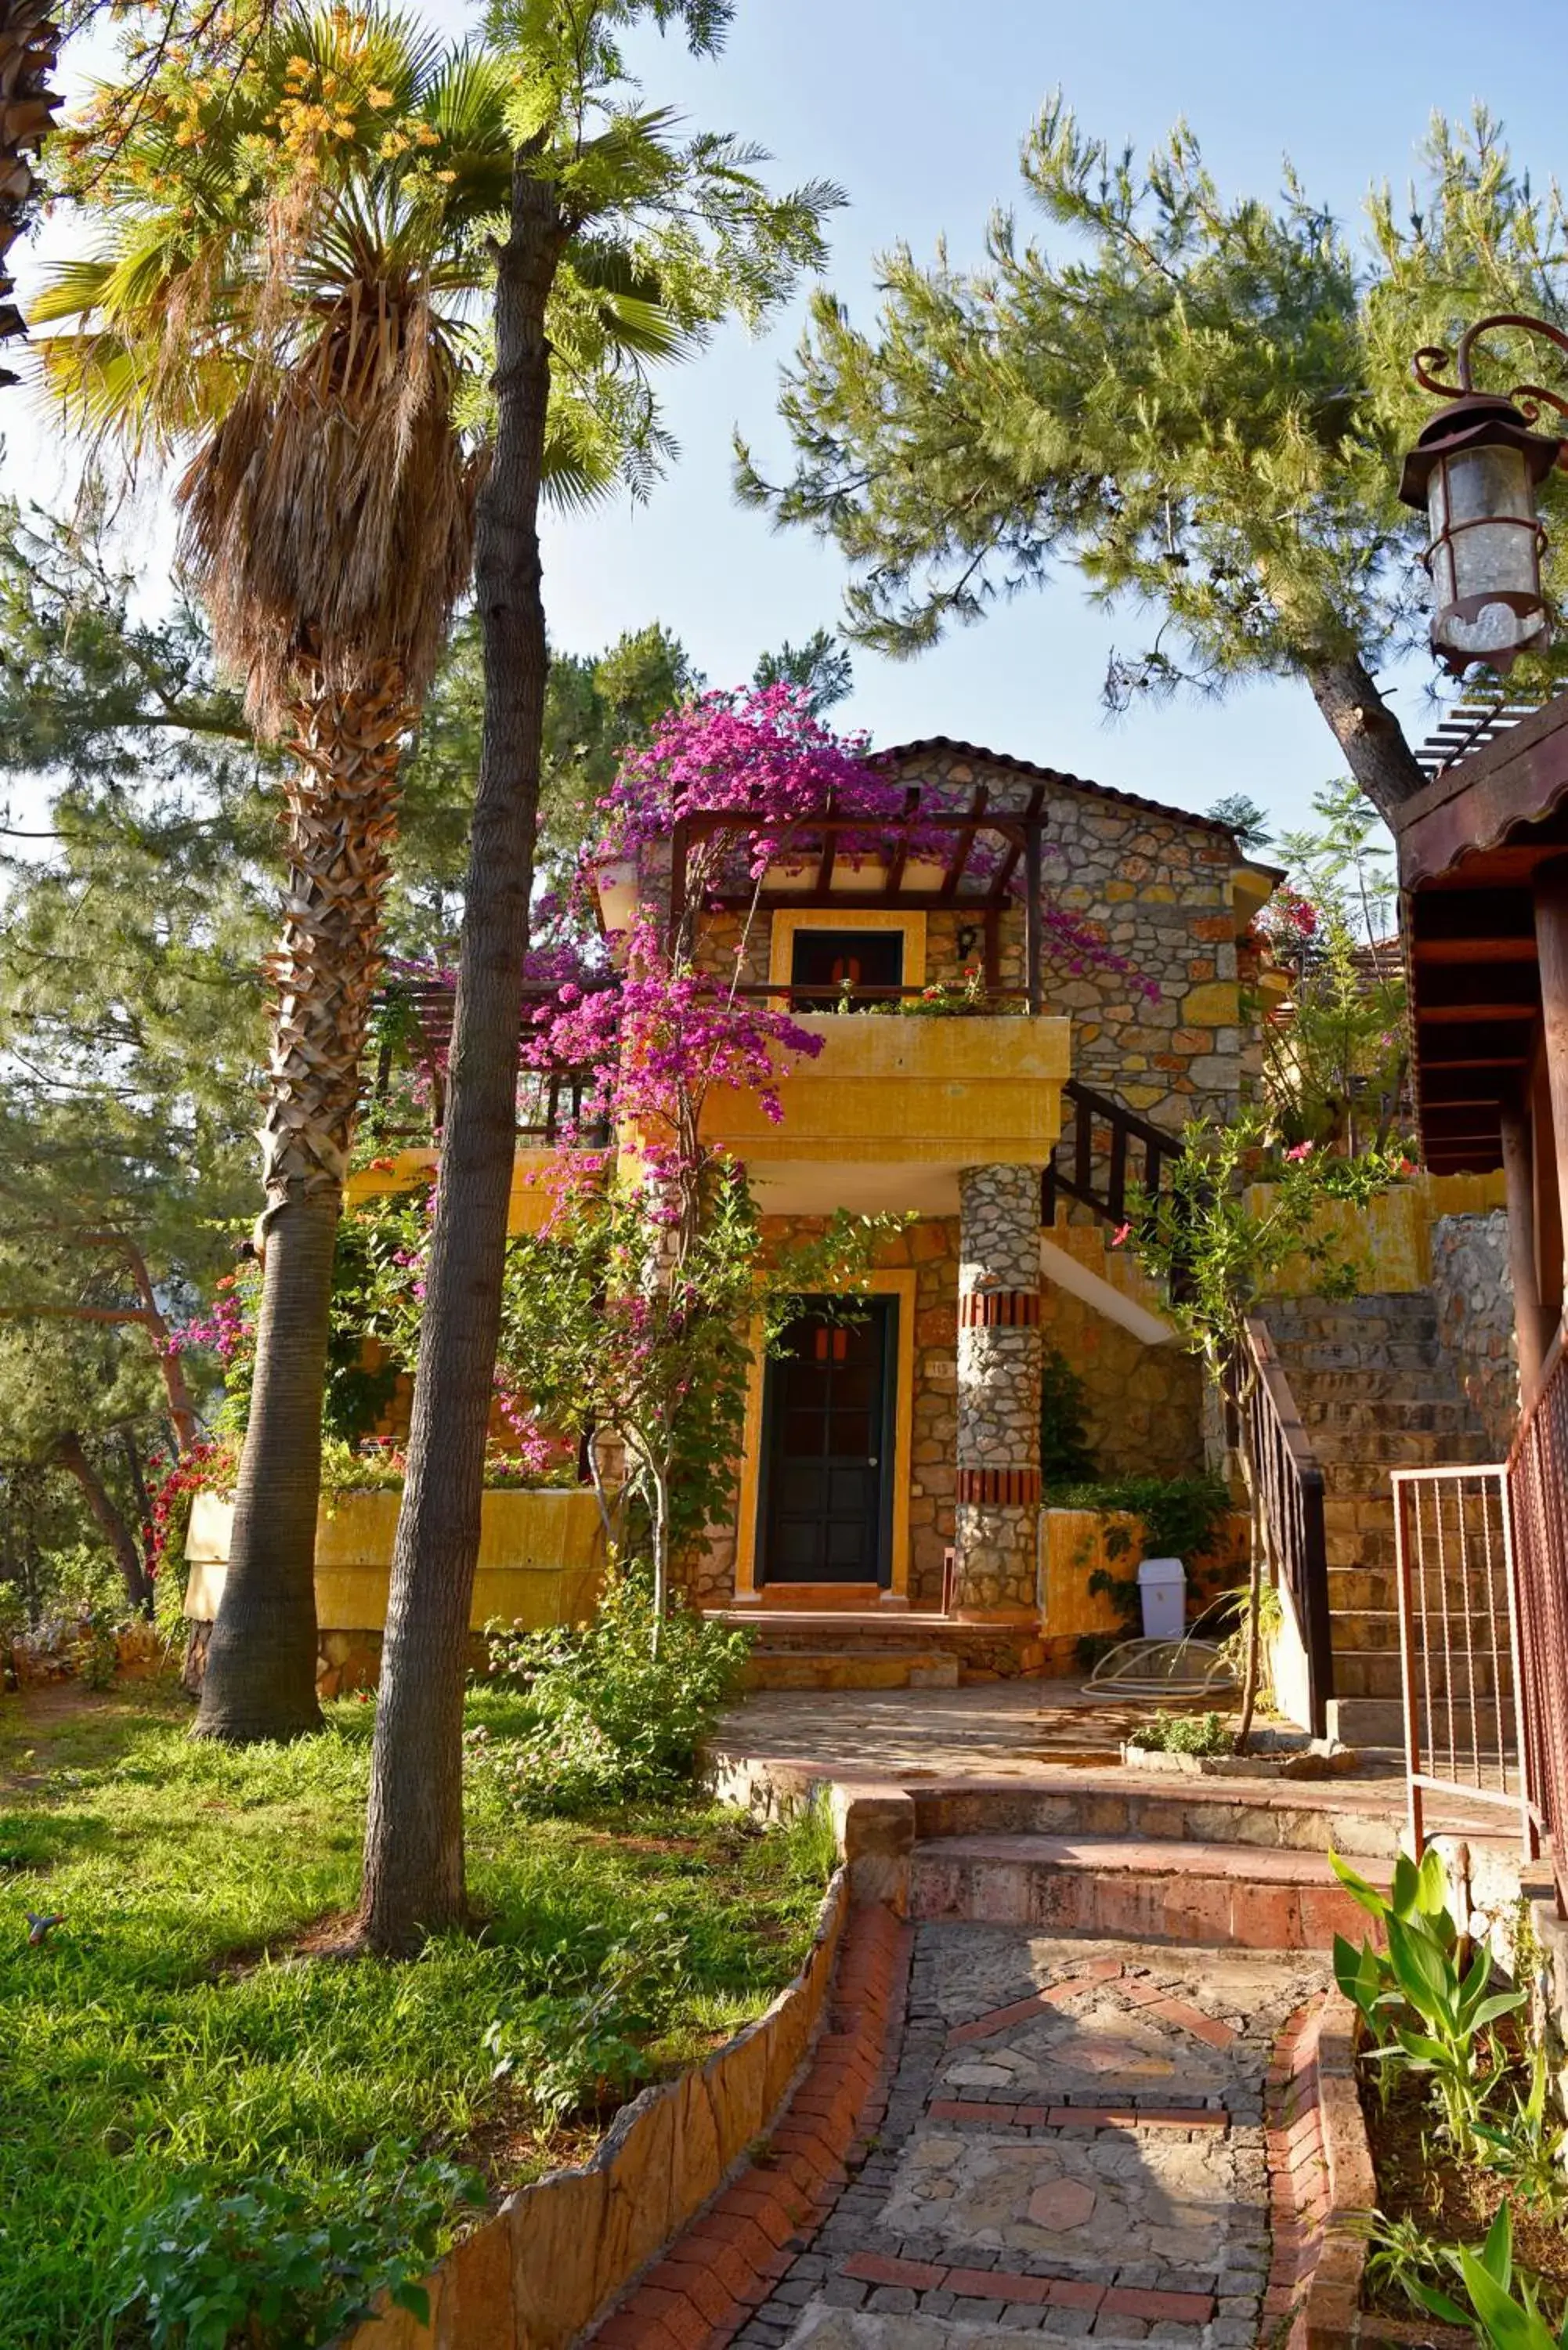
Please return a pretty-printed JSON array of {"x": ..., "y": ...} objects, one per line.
[{"x": 998, "y": 1392}]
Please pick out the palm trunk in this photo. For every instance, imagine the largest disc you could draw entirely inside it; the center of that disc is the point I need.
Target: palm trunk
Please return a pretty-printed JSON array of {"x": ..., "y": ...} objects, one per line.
[
  {"x": 260, "y": 1679},
  {"x": 30, "y": 39},
  {"x": 1367, "y": 732},
  {"x": 72, "y": 1456},
  {"x": 413, "y": 1833}
]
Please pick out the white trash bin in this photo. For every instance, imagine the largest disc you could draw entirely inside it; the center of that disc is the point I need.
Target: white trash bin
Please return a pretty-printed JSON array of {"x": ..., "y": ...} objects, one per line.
[{"x": 1162, "y": 1594}]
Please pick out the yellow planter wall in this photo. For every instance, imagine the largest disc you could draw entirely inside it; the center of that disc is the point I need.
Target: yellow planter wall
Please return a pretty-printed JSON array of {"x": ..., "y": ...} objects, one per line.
[
  {"x": 985, "y": 1092},
  {"x": 525, "y": 1209},
  {"x": 1390, "y": 1240},
  {"x": 1076, "y": 1548},
  {"x": 540, "y": 1559}
]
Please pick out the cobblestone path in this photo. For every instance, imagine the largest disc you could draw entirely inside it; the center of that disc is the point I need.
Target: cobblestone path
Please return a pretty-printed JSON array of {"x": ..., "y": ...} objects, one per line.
[{"x": 1074, "y": 2145}]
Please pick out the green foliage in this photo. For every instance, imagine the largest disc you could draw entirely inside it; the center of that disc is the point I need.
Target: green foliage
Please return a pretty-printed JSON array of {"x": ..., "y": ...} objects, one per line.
[
  {"x": 1402, "y": 2259},
  {"x": 1495, "y": 2316},
  {"x": 1251, "y": 824},
  {"x": 617, "y": 1714},
  {"x": 1181, "y": 1517},
  {"x": 822, "y": 668},
  {"x": 168, "y": 2034},
  {"x": 1185, "y": 1734},
  {"x": 1335, "y": 1071},
  {"x": 1066, "y": 1456},
  {"x": 1199, "y": 401},
  {"x": 1427, "y": 2004},
  {"x": 583, "y": 2048},
  {"x": 1527, "y": 2142},
  {"x": 281, "y": 2265}
]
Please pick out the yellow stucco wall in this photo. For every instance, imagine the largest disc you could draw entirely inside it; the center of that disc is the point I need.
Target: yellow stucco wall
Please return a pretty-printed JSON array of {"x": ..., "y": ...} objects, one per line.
[
  {"x": 967, "y": 1092},
  {"x": 540, "y": 1559},
  {"x": 1075, "y": 1549},
  {"x": 1390, "y": 1240}
]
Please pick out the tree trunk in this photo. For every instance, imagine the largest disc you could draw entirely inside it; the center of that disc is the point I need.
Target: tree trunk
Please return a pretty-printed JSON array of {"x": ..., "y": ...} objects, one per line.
[
  {"x": 71, "y": 1454},
  {"x": 1367, "y": 732},
  {"x": 30, "y": 39},
  {"x": 260, "y": 1680},
  {"x": 413, "y": 1835}
]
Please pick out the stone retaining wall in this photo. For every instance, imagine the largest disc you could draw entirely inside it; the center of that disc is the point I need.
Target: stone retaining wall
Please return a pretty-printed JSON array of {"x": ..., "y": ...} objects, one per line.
[
  {"x": 1475, "y": 1316},
  {"x": 560, "y": 2254}
]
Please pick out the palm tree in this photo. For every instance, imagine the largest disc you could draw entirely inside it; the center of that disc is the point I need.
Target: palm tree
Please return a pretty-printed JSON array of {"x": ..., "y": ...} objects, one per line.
[
  {"x": 293, "y": 256},
  {"x": 29, "y": 40}
]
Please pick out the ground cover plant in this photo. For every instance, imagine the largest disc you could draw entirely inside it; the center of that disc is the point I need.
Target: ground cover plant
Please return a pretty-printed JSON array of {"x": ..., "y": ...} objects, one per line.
[{"x": 174, "y": 2038}]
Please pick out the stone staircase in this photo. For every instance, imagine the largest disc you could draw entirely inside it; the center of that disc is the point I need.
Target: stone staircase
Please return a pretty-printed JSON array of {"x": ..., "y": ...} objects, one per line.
[
  {"x": 874, "y": 1646},
  {"x": 1375, "y": 1391}
]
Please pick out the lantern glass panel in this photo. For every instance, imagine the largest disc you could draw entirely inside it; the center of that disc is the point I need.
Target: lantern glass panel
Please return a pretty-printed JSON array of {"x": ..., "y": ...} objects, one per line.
[{"x": 1491, "y": 523}]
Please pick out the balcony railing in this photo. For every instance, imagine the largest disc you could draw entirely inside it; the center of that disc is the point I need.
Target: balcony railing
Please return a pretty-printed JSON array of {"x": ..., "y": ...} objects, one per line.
[{"x": 1291, "y": 1489}]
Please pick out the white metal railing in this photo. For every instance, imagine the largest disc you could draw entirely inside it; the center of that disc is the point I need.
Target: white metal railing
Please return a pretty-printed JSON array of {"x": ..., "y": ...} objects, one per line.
[{"x": 1459, "y": 1600}]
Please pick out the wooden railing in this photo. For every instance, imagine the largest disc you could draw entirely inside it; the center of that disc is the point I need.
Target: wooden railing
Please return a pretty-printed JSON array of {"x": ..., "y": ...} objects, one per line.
[
  {"x": 1290, "y": 1485},
  {"x": 1105, "y": 1147},
  {"x": 1538, "y": 1499}
]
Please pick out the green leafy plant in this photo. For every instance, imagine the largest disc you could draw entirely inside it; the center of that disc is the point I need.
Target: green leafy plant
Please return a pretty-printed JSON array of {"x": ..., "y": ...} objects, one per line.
[
  {"x": 1066, "y": 1455},
  {"x": 613, "y": 1717},
  {"x": 1181, "y": 1516},
  {"x": 1494, "y": 2314},
  {"x": 1528, "y": 2144},
  {"x": 570, "y": 2050},
  {"x": 1185, "y": 1734},
  {"x": 280, "y": 2266},
  {"x": 1402, "y": 2259},
  {"x": 1429, "y": 2001}
]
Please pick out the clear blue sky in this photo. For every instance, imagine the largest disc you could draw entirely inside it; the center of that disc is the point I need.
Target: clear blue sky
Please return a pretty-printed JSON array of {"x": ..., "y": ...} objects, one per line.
[{"x": 916, "y": 107}]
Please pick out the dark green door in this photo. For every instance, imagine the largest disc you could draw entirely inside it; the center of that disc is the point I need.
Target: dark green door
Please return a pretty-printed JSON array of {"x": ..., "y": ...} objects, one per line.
[{"x": 827, "y": 1441}]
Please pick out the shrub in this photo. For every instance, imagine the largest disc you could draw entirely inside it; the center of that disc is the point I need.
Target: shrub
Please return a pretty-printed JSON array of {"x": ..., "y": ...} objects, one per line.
[
  {"x": 1185, "y": 1734},
  {"x": 616, "y": 1713},
  {"x": 575, "y": 2049},
  {"x": 1181, "y": 1516},
  {"x": 1065, "y": 1453},
  {"x": 282, "y": 2267}
]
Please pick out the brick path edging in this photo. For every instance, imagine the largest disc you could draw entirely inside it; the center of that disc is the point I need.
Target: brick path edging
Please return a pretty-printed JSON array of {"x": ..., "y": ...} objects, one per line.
[
  {"x": 545, "y": 2267},
  {"x": 1322, "y": 2192},
  {"x": 704, "y": 2286}
]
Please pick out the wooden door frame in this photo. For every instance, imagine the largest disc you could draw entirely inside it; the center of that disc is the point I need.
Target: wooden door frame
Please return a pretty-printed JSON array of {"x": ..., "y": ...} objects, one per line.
[{"x": 895, "y": 1281}]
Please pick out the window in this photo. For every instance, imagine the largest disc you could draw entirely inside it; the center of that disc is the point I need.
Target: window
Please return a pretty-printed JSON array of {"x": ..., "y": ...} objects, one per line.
[{"x": 826, "y": 966}]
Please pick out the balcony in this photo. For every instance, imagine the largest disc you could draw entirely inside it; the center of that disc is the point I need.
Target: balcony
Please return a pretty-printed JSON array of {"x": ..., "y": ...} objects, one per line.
[{"x": 891, "y": 1108}]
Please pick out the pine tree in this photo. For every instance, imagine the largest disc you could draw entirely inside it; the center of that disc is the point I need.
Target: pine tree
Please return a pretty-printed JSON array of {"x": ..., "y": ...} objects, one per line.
[{"x": 1197, "y": 402}]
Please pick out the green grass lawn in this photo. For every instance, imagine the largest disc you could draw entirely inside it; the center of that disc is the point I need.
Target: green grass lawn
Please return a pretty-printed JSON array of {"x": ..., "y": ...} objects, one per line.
[{"x": 170, "y": 2028}]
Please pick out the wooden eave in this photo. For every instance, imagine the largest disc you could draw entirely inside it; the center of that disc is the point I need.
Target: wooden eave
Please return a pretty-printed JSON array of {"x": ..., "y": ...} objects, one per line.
[{"x": 1469, "y": 845}]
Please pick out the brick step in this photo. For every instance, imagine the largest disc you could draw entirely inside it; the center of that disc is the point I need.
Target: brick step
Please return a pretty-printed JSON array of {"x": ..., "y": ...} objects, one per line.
[
  {"x": 1182, "y": 1893},
  {"x": 1367, "y": 1721},
  {"x": 850, "y": 1668},
  {"x": 1305, "y": 1815},
  {"x": 1367, "y": 1551},
  {"x": 776, "y": 1630}
]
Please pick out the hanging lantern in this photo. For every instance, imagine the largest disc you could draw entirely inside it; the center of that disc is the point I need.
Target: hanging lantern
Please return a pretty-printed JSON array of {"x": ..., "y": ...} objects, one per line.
[{"x": 1474, "y": 470}]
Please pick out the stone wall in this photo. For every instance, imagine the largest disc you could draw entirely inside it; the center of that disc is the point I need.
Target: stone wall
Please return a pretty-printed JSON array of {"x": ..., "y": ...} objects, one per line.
[
  {"x": 1159, "y": 889},
  {"x": 998, "y": 1389},
  {"x": 1143, "y": 1405},
  {"x": 1475, "y": 1316}
]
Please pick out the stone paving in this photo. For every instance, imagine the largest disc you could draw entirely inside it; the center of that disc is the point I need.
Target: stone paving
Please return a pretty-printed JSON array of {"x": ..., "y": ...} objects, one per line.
[{"x": 1074, "y": 2145}]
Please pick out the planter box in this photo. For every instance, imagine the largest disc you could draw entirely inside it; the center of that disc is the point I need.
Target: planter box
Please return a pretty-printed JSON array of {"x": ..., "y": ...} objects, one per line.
[
  {"x": 1316, "y": 1761},
  {"x": 540, "y": 1558}
]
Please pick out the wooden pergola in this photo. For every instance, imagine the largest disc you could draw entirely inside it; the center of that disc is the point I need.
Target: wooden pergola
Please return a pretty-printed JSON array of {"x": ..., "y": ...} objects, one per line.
[{"x": 982, "y": 891}]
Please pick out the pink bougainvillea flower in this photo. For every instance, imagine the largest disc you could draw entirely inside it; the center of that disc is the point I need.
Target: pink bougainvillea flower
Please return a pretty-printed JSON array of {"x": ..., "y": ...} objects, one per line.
[
  {"x": 1302, "y": 1151},
  {"x": 1121, "y": 1236}
]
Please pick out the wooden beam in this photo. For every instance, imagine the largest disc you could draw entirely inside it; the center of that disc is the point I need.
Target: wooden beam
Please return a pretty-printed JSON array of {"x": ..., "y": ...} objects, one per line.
[
  {"x": 1552, "y": 938},
  {"x": 954, "y": 873},
  {"x": 1429, "y": 952},
  {"x": 1531, "y": 1337},
  {"x": 1033, "y": 939}
]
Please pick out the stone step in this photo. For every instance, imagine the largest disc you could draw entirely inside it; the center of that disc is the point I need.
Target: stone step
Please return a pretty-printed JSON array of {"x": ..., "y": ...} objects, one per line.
[
  {"x": 1183, "y": 1893},
  {"x": 1371, "y": 1671},
  {"x": 1366, "y": 1722},
  {"x": 1307, "y": 1816},
  {"x": 1330, "y": 1355},
  {"x": 1375, "y": 1590},
  {"x": 850, "y": 1668},
  {"x": 1389, "y": 1415},
  {"x": 1369, "y": 1447},
  {"x": 1408, "y": 1309},
  {"x": 1362, "y": 1383}
]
